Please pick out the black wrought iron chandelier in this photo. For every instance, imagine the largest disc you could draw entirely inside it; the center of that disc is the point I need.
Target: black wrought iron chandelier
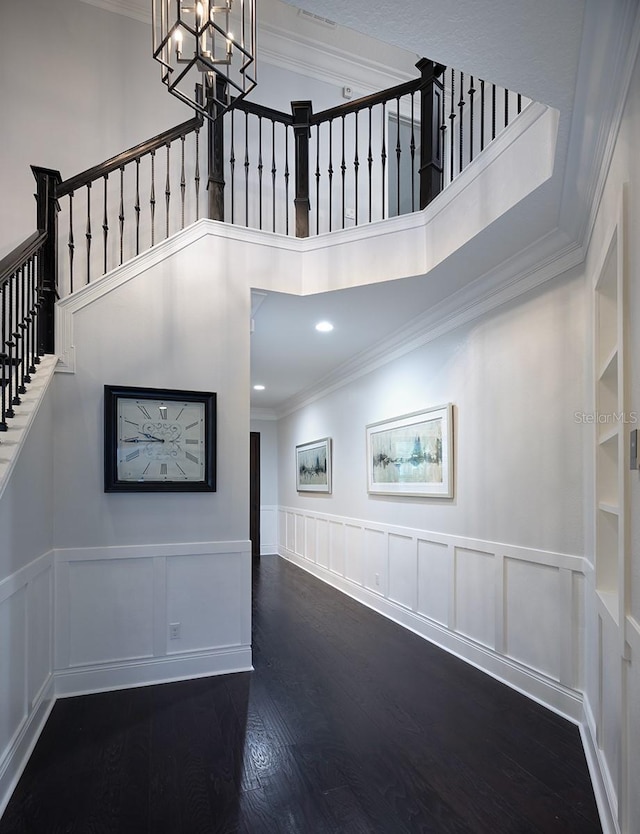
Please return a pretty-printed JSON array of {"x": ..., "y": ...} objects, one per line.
[{"x": 209, "y": 46}]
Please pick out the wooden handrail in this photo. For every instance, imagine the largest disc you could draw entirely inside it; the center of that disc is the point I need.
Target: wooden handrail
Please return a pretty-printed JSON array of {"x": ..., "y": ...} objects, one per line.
[
  {"x": 122, "y": 159},
  {"x": 367, "y": 101},
  {"x": 20, "y": 255}
]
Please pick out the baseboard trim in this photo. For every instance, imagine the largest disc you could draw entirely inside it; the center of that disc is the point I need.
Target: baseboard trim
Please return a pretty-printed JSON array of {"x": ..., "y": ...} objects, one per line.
[
  {"x": 108, "y": 677},
  {"x": 19, "y": 752},
  {"x": 599, "y": 779},
  {"x": 556, "y": 697}
]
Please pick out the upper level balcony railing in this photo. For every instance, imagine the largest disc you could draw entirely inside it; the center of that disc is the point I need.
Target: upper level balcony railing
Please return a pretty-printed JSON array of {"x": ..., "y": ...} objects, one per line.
[{"x": 301, "y": 173}]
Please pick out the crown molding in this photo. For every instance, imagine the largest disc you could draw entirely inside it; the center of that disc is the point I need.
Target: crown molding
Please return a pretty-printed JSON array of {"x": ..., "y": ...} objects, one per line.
[
  {"x": 594, "y": 134},
  {"x": 512, "y": 279},
  {"x": 133, "y": 9}
]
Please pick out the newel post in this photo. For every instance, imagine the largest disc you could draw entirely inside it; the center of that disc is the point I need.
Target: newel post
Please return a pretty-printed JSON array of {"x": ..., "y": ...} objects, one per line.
[
  {"x": 431, "y": 109},
  {"x": 301, "y": 111},
  {"x": 47, "y": 208},
  {"x": 215, "y": 135}
]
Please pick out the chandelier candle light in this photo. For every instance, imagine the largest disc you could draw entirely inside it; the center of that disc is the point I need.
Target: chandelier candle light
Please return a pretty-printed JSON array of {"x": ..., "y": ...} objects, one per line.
[{"x": 216, "y": 41}]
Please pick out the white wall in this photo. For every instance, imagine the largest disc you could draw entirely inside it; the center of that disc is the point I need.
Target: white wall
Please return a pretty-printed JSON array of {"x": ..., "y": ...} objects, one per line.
[
  {"x": 613, "y": 681},
  {"x": 496, "y": 573},
  {"x": 268, "y": 484},
  {"x": 26, "y": 596},
  {"x": 129, "y": 564}
]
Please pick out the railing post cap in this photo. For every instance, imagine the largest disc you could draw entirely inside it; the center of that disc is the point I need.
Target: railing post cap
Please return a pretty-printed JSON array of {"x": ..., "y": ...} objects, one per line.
[
  {"x": 38, "y": 171},
  {"x": 426, "y": 64},
  {"x": 301, "y": 109}
]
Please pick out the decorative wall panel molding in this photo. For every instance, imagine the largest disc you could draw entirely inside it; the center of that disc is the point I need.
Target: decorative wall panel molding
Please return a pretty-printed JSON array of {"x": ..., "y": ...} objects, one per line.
[
  {"x": 26, "y": 674},
  {"x": 127, "y": 616},
  {"x": 512, "y": 611}
]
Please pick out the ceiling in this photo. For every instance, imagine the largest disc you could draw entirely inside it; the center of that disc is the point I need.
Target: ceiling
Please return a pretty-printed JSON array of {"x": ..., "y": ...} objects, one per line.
[{"x": 532, "y": 47}]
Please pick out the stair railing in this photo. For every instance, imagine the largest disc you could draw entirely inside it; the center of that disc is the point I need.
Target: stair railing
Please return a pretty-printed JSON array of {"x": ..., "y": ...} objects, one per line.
[
  {"x": 22, "y": 340},
  {"x": 382, "y": 155}
]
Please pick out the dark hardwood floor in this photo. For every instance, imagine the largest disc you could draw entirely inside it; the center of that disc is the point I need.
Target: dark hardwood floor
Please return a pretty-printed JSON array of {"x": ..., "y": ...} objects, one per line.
[{"x": 349, "y": 723}]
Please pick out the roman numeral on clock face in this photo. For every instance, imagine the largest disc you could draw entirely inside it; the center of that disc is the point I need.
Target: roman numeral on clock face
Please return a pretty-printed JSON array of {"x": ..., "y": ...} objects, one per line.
[
  {"x": 191, "y": 457},
  {"x": 163, "y": 468},
  {"x": 133, "y": 455}
]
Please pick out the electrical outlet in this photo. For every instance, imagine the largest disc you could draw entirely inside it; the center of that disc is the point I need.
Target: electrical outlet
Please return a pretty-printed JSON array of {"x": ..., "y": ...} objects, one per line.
[
  {"x": 377, "y": 578},
  {"x": 174, "y": 631}
]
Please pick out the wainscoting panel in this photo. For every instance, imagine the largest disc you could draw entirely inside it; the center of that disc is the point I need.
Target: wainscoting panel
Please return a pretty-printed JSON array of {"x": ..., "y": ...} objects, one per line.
[
  {"x": 517, "y": 613},
  {"x": 475, "y": 593},
  {"x": 403, "y": 570},
  {"x": 26, "y": 688},
  {"x": 375, "y": 560},
  {"x": 39, "y": 633},
  {"x": 336, "y": 547},
  {"x": 353, "y": 553},
  {"x": 110, "y": 613},
  {"x": 268, "y": 529},
  {"x": 128, "y": 616},
  {"x": 13, "y": 673},
  {"x": 435, "y": 579},
  {"x": 533, "y": 614}
]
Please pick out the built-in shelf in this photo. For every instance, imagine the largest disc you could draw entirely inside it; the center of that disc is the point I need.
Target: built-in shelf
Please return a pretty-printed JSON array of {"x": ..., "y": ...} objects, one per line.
[
  {"x": 612, "y": 509},
  {"x": 610, "y": 366},
  {"x": 609, "y": 605}
]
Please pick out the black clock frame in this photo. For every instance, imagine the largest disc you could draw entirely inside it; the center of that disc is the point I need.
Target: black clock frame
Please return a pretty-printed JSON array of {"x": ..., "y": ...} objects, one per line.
[{"x": 113, "y": 393}]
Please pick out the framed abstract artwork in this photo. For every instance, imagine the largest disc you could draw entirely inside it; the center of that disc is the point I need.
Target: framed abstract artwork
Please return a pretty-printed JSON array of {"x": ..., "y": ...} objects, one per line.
[
  {"x": 412, "y": 454},
  {"x": 313, "y": 466}
]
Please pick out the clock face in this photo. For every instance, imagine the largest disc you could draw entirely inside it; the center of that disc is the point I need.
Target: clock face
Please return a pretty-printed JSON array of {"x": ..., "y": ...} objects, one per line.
[{"x": 160, "y": 440}]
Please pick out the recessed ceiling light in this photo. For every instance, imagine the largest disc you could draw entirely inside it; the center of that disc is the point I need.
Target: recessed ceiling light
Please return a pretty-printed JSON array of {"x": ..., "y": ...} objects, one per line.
[
  {"x": 258, "y": 387},
  {"x": 324, "y": 327}
]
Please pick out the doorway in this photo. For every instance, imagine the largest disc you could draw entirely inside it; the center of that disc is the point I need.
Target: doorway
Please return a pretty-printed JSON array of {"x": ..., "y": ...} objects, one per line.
[{"x": 254, "y": 493}]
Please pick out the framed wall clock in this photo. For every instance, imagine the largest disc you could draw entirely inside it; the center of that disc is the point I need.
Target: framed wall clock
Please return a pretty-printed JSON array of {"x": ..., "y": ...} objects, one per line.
[{"x": 159, "y": 440}]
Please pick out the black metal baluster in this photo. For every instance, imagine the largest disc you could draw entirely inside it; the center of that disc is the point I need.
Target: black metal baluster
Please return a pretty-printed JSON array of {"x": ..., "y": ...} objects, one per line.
[
  {"x": 452, "y": 132},
  {"x": 482, "y": 102},
  {"x": 232, "y": 165},
  {"x": 461, "y": 105},
  {"x": 88, "y": 233},
  {"x": 398, "y": 154},
  {"x": 370, "y": 163},
  {"x": 196, "y": 176},
  {"x": 167, "y": 190},
  {"x": 260, "y": 172},
  {"x": 330, "y": 174},
  {"x": 31, "y": 345},
  {"x": 21, "y": 326},
  {"x": 356, "y": 168},
  {"x": 137, "y": 205},
  {"x": 273, "y": 171},
  {"x": 472, "y": 93},
  {"x": 412, "y": 151},
  {"x": 493, "y": 111},
  {"x": 506, "y": 107},
  {"x": 246, "y": 169},
  {"x": 121, "y": 214},
  {"x": 152, "y": 198},
  {"x": 343, "y": 169},
  {"x": 11, "y": 400},
  {"x": 105, "y": 226},
  {"x": 4, "y": 367},
  {"x": 71, "y": 243},
  {"x": 519, "y": 103},
  {"x": 383, "y": 157},
  {"x": 183, "y": 182},
  {"x": 317, "y": 179},
  {"x": 286, "y": 178}
]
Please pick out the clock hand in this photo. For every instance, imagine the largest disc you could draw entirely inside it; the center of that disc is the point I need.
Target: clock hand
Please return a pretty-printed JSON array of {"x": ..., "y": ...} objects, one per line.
[{"x": 147, "y": 439}]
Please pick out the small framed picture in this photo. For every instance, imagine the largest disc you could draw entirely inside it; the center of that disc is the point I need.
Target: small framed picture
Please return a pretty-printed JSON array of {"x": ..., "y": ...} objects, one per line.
[
  {"x": 313, "y": 466},
  {"x": 412, "y": 454}
]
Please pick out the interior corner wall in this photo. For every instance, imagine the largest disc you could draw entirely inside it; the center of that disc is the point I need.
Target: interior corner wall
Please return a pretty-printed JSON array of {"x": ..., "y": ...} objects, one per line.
[
  {"x": 26, "y": 596},
  {"x": 496, "y": 573},
  {"x": 130, "y": 564},
  {"x": 268, "y": 484},
  {"x": 612, "y": 686}
]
